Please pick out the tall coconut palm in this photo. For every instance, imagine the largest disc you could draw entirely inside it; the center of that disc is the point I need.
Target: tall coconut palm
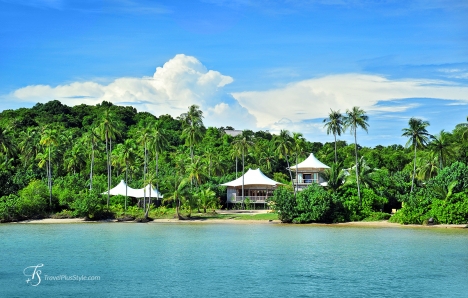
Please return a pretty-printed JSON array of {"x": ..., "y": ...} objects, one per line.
[
  {"x": 283, "y": 145},
  {"x": 298, "y": 149},
  {"x": 442, "y": 147},
  {"x": 49, "y": 138},
  {"x": 354, "y": 119},
  {"x": 126, "y": 157},
  {"x": 160, "y": 143},
  {"x": 192, "y": 122},
  {"x": 6, "y": 144},
  {"x": 418, "y": 135},
  {"x": 242, "y": 145},
  {"x": 178, "y": 194},
  {"x": 108, "y": 130},
  {"x": 91, "y": 138},
  {"x": 145, "y": 134},
  {"x": 74, "y": 159},
  {"x": 29, "y": 144},
  {"x": 335, "y": 125}
]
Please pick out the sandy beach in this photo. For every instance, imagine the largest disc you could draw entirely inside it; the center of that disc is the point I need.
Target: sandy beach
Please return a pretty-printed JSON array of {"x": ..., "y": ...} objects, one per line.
[{"x": 369, "y": 224}]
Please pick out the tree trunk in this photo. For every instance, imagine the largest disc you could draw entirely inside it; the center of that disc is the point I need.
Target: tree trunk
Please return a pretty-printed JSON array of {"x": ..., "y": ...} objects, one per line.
[
  {"x": 357, "y": 171},
  {"x": 92, "y": 163},
  {"x": 414, "y": 166},
  {"x": 243, "y": 174},
  {"x": 296, "y": 189},
  {"x": 290, "y": 175},
  {"x": 336, "y": 158},
  {"x": 108, "y": 171},
  {"x": 50, "y": 181}
]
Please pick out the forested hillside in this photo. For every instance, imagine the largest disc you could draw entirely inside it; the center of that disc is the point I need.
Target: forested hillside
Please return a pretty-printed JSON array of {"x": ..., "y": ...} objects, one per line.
[{"x": 56, "y": 159}]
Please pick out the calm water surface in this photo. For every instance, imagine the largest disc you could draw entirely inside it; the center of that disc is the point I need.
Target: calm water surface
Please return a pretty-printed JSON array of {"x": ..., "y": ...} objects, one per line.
[{"x": 224, "y": 260}]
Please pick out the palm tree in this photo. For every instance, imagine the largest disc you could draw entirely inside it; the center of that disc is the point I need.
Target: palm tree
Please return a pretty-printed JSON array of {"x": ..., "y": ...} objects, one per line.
[
  {"x": 442, "y": 147},
  {"x": 91, "y": 138},
  {"x": 160, "y": 143},
  {"x": 74, "y": 158},
  {"x": 335, "y": 125},
  {"x": 145, "y": 134},
  {"x": 178, "y": 194},
  {"x": 193, "y": 124},
  {"x": 418, "y": 135},
  {"x": 355, "y": 118},
  {"x": 242, "y": 145},
  {"x": 427, "y": 165},
  {"x": 206, "y": 199},
  {"x": 29, "y": 144},
  {"x": 334, "y": 176},
  {"x": 108, "y": 129},
  {"x": 298, "y": 148},
  {"x": 126, "y": 156},
  {"x": 365, "y": 174},
  {"x": 196, "y": 171},
  {"x": 267, "y": 157},
  {"x": 283, "y": 145},
  {"x": 6, "y": 144},
  {"x": 49, "y": 139}
]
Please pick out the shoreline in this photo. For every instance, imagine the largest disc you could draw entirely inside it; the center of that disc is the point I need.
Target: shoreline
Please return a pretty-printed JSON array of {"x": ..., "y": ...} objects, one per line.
[{"x": 369, "y": 224}]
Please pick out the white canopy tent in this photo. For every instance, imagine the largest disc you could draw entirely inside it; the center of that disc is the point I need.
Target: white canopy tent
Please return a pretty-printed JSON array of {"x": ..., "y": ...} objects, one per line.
[
  {"x": 253, "y": 177},
  {"x": 123, "y": 189},
  {"x": 310, "y": 163}
]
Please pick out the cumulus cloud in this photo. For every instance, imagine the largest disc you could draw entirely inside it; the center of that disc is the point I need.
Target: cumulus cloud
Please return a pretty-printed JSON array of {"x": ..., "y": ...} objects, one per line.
[
  {"x": 179, "y": 83},
  {"x": 313, "y": 98}
]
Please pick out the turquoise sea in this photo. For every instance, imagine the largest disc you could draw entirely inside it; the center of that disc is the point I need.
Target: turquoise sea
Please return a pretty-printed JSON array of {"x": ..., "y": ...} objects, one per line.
[{"x": 231, "y": 260}]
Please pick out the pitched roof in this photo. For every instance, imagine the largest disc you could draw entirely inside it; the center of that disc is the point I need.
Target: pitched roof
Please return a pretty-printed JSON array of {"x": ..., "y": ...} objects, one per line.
[
  {"x": 310, "y": 163},
  {"x": 253, "y": 177}
]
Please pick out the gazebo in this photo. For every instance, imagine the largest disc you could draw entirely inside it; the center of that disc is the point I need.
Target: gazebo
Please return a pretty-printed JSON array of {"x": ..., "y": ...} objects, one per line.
[
  {"x": 257, "y": 188},
  {"x": 308, "y": 172}
]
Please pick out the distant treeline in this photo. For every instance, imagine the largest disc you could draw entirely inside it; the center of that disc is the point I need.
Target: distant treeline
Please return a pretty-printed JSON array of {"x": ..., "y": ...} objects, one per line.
[{"x": 59, "y": 159}]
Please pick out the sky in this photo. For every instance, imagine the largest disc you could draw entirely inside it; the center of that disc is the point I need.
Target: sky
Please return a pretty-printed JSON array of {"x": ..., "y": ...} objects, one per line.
[{"x": 259, "y": 65}]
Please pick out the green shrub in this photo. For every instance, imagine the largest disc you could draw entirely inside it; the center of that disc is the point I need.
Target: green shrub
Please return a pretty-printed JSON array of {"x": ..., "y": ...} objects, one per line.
[
  {"x": 34, "y": 200},
  {"x": 284, "y": 203},
  {"x": 8, "y": 208},
  {"x": 313, "y": 205}
]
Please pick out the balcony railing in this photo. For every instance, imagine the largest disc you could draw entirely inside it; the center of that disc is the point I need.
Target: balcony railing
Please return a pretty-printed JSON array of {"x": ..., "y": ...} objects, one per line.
[
  {"x": 305, "y": 181},
  {"x": 253, "y": 199}
]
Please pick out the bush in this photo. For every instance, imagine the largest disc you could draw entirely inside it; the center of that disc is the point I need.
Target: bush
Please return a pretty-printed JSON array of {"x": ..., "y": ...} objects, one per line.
[
  {"x": 284, "y": 203},
  {"x": 33, "y": 200},
  {"x": 8, "y": 208},
  {"x": 89, "y": 205},
  {"x": 313, "y": 205}
]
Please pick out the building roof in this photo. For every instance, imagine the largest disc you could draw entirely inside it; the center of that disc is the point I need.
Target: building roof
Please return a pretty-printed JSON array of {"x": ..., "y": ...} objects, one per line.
[
  {"x": 310, "y": 163},
  {"x": 253, "y": 177},
  {"x": 123, "y": 189}
]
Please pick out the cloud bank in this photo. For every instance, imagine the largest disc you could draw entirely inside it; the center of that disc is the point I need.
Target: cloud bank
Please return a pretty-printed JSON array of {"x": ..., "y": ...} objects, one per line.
[
  {"x": 296, "y": 103},
  {"x": 179, "y": 83},
  {"x": 299, "y": 106}
]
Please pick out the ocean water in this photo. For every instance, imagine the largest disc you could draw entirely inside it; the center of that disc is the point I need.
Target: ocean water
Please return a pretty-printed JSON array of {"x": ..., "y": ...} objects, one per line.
[{"x": 230, "y": 260}]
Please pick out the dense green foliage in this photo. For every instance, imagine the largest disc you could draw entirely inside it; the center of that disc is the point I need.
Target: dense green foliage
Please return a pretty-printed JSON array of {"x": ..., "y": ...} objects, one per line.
[{"x": 56, "y": 159}]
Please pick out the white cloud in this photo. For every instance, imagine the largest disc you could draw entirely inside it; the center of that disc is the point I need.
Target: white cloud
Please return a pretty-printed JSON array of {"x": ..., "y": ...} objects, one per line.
[
  {"x": 181, "y": 82},
  {"x": 311, "y": 99}
]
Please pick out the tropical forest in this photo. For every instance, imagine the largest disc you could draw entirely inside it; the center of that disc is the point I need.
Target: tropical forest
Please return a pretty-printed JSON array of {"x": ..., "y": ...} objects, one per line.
[{"x": 59, "y": 161}]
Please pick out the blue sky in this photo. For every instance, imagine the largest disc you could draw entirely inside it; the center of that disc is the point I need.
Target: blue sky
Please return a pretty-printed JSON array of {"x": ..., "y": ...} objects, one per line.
[{"x": 262, "y": 64}]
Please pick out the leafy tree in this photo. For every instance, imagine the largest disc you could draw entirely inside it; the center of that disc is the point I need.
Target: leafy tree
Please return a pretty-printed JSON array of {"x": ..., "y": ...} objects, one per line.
[{"x": 418, "y": 135}]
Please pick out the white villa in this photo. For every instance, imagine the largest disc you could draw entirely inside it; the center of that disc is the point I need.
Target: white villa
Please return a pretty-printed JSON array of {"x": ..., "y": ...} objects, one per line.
[
  {"x": 257, "y": 188},
  {"x": 308, "y": 172}
]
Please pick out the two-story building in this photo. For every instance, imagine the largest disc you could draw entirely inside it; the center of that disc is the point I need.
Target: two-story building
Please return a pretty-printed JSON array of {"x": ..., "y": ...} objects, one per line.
[{"x": 308, "y": 172}]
